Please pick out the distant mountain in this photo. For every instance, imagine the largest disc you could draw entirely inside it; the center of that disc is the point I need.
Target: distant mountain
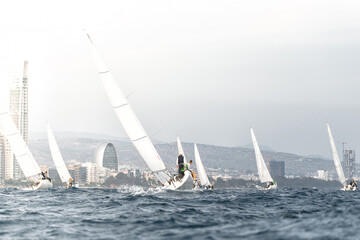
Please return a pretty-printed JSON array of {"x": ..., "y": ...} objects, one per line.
[
  {"x": 262, "y": 147},
  {"x": 318, "y": 156},
  {"x": 238, "y": 159},
  {"x": 43, "y": 135}
]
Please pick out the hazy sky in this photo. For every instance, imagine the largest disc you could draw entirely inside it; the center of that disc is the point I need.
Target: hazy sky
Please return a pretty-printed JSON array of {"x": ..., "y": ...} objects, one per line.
[{"x": 206, "y": 70}]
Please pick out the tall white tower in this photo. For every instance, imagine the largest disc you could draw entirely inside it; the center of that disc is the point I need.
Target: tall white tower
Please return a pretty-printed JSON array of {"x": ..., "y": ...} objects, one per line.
[{"x": 19, "y": 111}]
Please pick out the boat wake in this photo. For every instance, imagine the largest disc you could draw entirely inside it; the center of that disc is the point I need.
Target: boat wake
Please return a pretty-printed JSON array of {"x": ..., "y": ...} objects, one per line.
[{"x": 138, "y": 190}]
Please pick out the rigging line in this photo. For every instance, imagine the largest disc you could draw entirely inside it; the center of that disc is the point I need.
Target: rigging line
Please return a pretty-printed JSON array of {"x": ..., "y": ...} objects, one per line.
[
  {"x": 159, "y": 130},
  {"x": 130, "y": 93}
]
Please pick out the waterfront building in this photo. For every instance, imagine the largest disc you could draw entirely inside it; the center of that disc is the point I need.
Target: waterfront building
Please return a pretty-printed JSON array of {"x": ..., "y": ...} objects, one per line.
[
  {"x": 104, "y": 173},
  {"x": 349, "y": 163},
  {"x": 105, "y": 156},
  {"x": 92, "y": 173},
  {"x": 72, "y": 173},
  {"x": 97, "y": 174},
  {"x": 2, "y": 160},
  {"x": 323, "y": 175},
  {"x": 54, "y": 175},
  {"x": 78, "y": 172},
  {"x": 277, "y": 168}
]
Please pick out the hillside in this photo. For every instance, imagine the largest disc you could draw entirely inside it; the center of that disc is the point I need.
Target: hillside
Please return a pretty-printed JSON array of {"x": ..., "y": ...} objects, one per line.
[{"x": 240, "y": 159}]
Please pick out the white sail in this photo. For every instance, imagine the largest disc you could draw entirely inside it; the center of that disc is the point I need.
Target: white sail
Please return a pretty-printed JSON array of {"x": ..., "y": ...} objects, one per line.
[
  {"x": 57, "y": 158},
  {"x": 204, "y": 180},
  {"x": 26, "y": 161},
  {"x": 263, "y": 171},
  {"x": 180, "y": 149},
  {"x": 336, "y": 158},
  {"x": 130, "y": 122}
]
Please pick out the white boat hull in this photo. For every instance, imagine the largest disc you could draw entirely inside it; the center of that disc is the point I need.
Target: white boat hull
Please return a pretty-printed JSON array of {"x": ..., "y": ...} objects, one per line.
[
  {"x": 44, "y": 183},
  {"x": 185, "y": 183},
  {"x": 73, "y": 186},
  {"x": 348, "y": 188},
  {"x": 271, "y": 187}
]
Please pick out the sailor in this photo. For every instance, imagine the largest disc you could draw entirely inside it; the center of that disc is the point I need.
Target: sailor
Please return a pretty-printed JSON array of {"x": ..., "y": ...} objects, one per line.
[
  {"x": 187, "y": 166},
  {"x": 353, "y": 184},
  {"x": 43, "y": 175},
  {"x": 70, "y": 182},
  {"x": 180, "y": 164},
  {"x": 193, "y": 175},
  {"x": 270, "y": 184}
]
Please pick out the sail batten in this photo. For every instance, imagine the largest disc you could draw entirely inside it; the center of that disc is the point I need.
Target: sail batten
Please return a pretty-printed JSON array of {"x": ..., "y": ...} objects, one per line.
[
  {"x": 204, "y": 180},
  {"x": 337, "y": 163},
  {"x": 57, "y": 157},
  {"x": 129, "y": 120},
  {"x": 263, "y": 171},
  {"x": 26, "y": 161}
]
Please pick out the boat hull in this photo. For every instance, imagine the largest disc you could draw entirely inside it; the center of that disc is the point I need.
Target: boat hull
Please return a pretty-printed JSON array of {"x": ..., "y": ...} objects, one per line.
[
  {"x": 348, "y": 188},
  {"x": 44, "y": 183},
  {"x": 185, "y": 183},
  {"x": 271, "y": 187}
]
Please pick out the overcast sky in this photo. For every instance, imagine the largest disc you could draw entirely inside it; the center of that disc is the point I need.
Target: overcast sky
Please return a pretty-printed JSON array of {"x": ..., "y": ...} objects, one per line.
[{"x": 204, "y": 70}]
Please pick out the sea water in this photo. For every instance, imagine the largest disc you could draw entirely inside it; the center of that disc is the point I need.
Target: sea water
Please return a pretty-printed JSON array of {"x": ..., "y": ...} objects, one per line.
[{"x": 140, "y": 213}]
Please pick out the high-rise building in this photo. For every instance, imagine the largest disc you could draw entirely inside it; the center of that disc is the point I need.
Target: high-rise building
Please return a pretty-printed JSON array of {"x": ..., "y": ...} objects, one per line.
[
  {"x": 277, "y": 168},
  {"x": 92, "y": 173},
  {"x": 105, "y": 156},
  {"x": 349, "y": 163},
  {"x": 78, "y": 172},
  {"x": 18, "y": 108},
  {"x": 82, "y": 179},
  {"x": 323, "y": 175},
  {"x": 2, "y": 159},
  {"x": 7, "y": 158}
]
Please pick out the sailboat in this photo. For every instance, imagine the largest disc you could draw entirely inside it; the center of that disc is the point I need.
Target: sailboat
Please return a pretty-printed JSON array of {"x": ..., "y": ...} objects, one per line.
[
  {"x": 195, "y": 183},
  {"x": 263, "y": 171},
  {"x": 58, "y": 159},
  {"x": 204, "y": 180},
  {"x": 133, "y": 127},
  {"x": 27, "y": 163},
  {"x": 338, "y": 167}
]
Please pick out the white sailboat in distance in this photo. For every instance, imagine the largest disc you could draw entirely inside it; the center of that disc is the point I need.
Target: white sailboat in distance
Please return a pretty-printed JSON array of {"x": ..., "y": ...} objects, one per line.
[
  {"x": 204, "y": 180},
  {"x": 263, "y": 171},
  {"x": 133, "y": 127},
  {"x": 337, "y": 163},
  {"x": 27, "y": 163},
  {"x": 58, "y": 159}
]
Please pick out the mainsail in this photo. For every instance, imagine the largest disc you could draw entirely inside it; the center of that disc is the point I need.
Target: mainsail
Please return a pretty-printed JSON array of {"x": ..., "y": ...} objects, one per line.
[
  {"x": 18, "y": 146},
  {"x": 336, "y": 158},
  {"x": 200, "y": 167},
  {"x": 57, "y": 158},
  {"x": 180, "y": 149},
  {"x": 129, "y": 121},
  {"x": 263, "y": 171}
]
